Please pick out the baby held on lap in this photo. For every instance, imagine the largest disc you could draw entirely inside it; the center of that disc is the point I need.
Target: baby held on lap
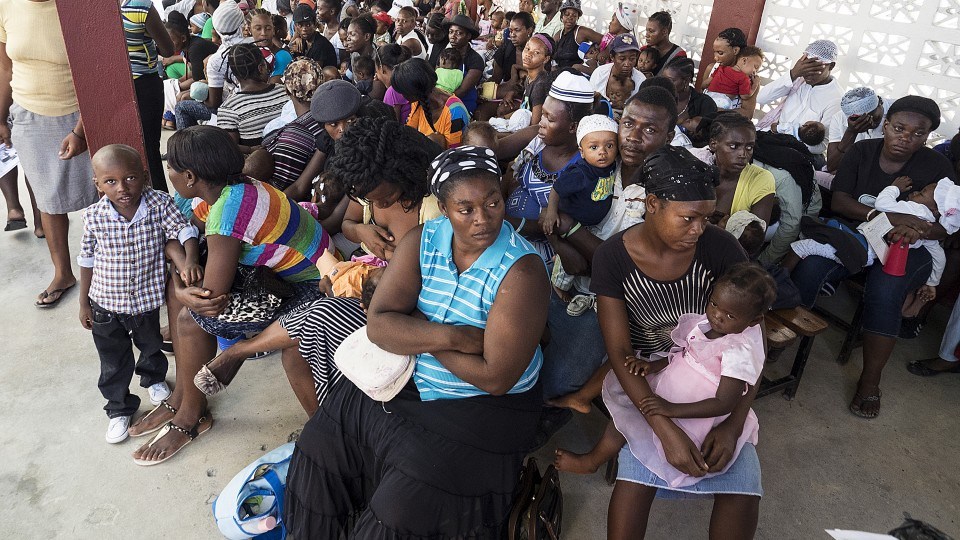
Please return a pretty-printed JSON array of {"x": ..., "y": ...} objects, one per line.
[{"x": 937, "y": 202}]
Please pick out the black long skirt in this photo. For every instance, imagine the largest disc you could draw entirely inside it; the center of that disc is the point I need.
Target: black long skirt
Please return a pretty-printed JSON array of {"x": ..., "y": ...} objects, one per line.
[{"x": 408, "y": 469}]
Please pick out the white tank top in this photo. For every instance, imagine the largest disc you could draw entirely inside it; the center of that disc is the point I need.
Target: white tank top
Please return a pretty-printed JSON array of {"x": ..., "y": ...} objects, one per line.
[{"x": 413, "y": 35}]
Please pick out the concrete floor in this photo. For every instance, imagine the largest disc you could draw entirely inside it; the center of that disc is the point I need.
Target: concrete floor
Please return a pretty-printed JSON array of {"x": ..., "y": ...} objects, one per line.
[{"x": 823, "y": 467}]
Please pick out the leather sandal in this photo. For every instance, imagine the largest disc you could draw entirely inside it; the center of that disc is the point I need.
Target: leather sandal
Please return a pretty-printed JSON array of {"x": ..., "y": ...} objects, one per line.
[
  {"x": 920, "y": 368},
  {"x": 163, "y": 404},
  {"x": 191, "y": 433},
  {"x": 858, "y": 411}
]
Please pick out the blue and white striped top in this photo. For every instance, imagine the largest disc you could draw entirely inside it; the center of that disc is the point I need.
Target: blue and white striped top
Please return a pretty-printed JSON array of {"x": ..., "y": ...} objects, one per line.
[{"x": 463, "y": 299}]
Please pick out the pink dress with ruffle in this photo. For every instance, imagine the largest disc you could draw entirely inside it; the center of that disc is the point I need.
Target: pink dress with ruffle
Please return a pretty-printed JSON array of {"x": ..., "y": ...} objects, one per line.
[{"x": 693, "y": 374}]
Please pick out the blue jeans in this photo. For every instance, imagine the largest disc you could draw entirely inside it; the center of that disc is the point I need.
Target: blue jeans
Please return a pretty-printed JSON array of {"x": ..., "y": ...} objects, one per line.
[
  {"x": 190, "y": 113},
  {"x": 951, "y": 336},
  {"x": 575, "y": 351},
  {"x": 883, "y": 294}
]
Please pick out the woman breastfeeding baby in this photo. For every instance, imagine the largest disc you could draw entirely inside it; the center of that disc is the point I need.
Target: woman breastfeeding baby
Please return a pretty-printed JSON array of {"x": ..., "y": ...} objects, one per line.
[{"x": 688, "y": 425}]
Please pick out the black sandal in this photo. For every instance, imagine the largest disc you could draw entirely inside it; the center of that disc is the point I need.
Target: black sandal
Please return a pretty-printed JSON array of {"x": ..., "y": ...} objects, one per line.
[
  {"x": 857, "y": 409},
  {"x": 920, "y": 368}
]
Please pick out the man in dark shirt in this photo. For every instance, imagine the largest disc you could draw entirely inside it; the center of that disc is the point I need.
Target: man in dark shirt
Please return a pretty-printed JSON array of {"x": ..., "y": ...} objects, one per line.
[{"x": 308, "y": 42}]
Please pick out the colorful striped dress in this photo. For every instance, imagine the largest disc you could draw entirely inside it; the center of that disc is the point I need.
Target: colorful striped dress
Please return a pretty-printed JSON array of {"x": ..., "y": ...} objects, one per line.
[
  {"x": 450, "y": 124},
  {"x": 449, "y": 297},
  {"x": 275, "y": 231},
  {"x": 141, "y": 48}
]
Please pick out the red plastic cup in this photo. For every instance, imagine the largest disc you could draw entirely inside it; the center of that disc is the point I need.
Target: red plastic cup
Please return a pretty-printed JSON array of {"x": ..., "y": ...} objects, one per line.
[{"x": 896, "y": 264}]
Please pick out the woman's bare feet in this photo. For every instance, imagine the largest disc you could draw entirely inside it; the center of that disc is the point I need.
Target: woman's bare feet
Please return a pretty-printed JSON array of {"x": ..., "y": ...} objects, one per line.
[
  {"x": 567, "y": 461},
  {"x": 574, "y": 401}
]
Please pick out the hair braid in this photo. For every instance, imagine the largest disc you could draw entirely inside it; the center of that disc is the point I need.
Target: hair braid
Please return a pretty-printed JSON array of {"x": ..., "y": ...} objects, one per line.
[{"x": 244, "y": 61}]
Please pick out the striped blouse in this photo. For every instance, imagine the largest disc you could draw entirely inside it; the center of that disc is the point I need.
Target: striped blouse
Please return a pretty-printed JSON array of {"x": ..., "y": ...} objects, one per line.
[
  {"x": 249, "y": 112},
  {"x": 292, "y": 147},
  {"x": 448, "y": 297},
  {"x": 275, "y": 231},
  {"x": 141, "y": 48}
]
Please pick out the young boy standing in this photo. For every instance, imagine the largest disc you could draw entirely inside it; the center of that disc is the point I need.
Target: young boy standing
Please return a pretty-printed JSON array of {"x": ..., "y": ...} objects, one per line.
[{"x": 122, "y": 279}]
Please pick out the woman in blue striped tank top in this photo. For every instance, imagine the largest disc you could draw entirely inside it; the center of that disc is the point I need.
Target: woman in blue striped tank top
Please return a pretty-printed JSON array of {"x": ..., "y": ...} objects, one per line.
[{"x": 468, "y": 296}]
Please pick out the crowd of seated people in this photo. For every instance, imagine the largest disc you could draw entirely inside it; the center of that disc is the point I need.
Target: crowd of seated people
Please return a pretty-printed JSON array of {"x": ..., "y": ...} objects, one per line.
[{"x": 537, "y": 212}]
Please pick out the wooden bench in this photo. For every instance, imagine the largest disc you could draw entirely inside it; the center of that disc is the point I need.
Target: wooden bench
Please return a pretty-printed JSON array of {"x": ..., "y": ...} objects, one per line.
[{"x": 801, "y": 323}]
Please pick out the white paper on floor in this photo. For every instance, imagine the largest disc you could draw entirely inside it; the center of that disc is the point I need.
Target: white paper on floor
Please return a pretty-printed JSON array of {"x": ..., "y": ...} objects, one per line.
[{"x": 839, "y": 534}]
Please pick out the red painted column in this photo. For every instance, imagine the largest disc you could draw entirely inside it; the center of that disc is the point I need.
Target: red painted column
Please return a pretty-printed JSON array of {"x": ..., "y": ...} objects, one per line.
[
  {"x": 101, "y": 72},
  {"x": 743, "y": 14}
]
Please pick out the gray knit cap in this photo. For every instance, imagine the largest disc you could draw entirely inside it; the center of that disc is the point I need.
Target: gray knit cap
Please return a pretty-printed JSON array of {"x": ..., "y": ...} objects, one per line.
[
  {"x": 859, "y": 101},
  {"x": 823, "y": 50},
  {"x": 227, "y": 19}
]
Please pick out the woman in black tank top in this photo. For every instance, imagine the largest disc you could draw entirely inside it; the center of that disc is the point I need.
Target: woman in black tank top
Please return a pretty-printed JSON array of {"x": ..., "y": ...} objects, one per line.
[{"x": 571, "y": 35}]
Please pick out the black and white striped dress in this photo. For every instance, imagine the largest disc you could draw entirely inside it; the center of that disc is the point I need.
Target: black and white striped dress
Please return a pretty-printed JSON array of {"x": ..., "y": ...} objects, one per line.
[
  {"x": 321, "y": 326},
  {"x": 653, "y": 307}
]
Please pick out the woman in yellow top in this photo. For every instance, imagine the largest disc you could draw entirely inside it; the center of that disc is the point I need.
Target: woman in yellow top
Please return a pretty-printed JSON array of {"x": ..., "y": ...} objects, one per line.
[
  {"x": 382, "y": 175},
  {"x": 36, "y": 92},
  {"x": 743, "y": 186},
  {"x": 437, "y": 114}
]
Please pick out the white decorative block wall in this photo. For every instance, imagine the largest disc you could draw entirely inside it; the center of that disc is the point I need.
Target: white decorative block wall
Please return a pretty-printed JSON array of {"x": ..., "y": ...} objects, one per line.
[{"x": 897, "y": 47}]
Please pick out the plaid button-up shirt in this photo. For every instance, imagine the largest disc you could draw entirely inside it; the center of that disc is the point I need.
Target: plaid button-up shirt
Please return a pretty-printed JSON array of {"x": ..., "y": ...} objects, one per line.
[{"x": 127, "y": 257}]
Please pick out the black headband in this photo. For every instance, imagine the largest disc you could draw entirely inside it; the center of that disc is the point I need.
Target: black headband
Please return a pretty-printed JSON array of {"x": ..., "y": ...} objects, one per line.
[
  {"x": 674, "y": 174},
  {"x": 457, "y": 160}
]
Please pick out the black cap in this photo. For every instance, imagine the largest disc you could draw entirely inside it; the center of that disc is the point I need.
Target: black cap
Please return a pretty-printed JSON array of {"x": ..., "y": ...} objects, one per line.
[
  {"x": 920, "y": 105},
  {"x": 303, "y": 13},
  {"x": 333, "y": 101}
]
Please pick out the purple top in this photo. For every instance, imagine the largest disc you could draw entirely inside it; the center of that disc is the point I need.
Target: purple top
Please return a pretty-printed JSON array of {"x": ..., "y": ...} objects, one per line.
[{"x": 392, "y": 98}]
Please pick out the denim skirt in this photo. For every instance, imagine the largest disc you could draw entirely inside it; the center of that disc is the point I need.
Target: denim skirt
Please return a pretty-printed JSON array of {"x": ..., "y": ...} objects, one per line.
[{"x": 742, "y": 478}]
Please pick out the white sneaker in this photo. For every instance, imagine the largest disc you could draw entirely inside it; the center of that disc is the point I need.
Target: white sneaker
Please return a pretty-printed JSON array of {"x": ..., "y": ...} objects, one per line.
[
  {"x": 158, "y": 392},
  {"x": 580, "y": 304},
  {"x": 117, "y": 429}
]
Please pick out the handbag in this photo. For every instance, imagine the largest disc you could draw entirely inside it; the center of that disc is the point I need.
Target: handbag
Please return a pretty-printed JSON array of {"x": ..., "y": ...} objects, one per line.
[
  {"x": 914, "y": 529},
  {"x": 378, "y": 373},
  {"x": 537, "y": 510},
  {"x": 255, "y": 296},
  {"x": 251, "y": 504}
]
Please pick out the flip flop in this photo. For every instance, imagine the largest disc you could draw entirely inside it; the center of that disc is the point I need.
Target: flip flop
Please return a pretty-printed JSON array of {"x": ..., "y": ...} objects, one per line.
[
  {"x": 15, "y": 225},
  {"x": 46, "y": 294},
  {"x": 163, "y": 404},
  {"x": 857, "y": 411},
  {"x": 192, "y": 433}
]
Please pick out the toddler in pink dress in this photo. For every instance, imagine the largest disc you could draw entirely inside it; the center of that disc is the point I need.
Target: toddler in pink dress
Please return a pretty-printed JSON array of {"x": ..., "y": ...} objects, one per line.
[{"x": 717, "y": 357}]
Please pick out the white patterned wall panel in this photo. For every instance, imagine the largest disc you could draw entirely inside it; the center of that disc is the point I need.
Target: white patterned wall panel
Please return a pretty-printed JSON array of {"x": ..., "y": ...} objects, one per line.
[{"x": 894, "y": 46}]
